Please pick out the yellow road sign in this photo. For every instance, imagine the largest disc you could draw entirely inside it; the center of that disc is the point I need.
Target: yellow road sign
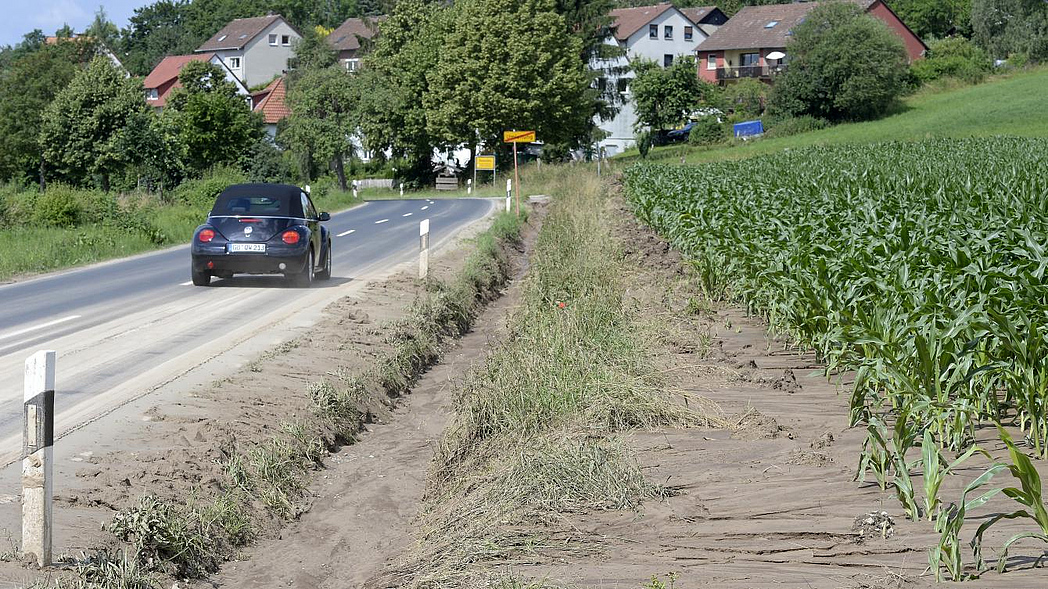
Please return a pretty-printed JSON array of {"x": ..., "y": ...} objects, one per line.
[
  {"x": 518, "y": 136},
  {"x": 485, "y": 162}
]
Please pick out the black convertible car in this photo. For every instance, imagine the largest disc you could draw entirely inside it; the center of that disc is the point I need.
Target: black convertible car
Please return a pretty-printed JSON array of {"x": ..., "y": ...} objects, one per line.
[{"x": 262, "y": 229}]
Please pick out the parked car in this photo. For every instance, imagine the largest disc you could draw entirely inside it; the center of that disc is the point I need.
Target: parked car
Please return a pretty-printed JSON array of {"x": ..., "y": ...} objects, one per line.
[
  {"x": 681, "y": 134},
  {"x": 262, "y": 229}
]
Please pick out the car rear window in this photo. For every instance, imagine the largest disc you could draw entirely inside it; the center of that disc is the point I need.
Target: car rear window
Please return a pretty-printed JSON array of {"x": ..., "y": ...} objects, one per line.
[{"x": 260, "y": 206}]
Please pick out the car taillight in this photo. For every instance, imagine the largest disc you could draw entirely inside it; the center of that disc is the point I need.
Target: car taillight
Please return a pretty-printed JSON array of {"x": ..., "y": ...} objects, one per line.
[
  {"x": 206, "y": 235},
  {"x": 291, "y": 237}
]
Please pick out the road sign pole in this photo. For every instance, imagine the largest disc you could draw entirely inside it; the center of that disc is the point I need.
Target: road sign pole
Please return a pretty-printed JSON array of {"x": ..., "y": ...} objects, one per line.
[
  {"x": 38, "y": 456},
  {"x": 516, "y": 178},
  {"x": 476, "y": 150}
]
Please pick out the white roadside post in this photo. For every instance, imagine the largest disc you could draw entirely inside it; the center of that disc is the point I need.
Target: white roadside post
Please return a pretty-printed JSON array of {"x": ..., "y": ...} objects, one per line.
[
  {"x": 423, "y": 255},
  {"x": 38, "y": 455},
  {"x": 354, "y": 190},
  {"x": 469, "y": 186},
  {"x": 509, "y": 194}
]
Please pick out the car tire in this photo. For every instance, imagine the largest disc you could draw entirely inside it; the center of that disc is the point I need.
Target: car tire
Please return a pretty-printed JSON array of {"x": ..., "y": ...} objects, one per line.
[
  {"x": 201, "y": 277},
  {"x": 304, "y": 279},
  {"x": 325, "y": 274}
]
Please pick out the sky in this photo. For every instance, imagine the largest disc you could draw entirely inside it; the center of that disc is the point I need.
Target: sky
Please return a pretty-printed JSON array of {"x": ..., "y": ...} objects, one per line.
[{"x": 21, "y": 16}]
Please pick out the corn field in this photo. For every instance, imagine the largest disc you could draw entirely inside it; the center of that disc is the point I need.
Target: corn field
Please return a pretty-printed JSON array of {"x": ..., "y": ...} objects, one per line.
[{"x": 921, "y": 266}]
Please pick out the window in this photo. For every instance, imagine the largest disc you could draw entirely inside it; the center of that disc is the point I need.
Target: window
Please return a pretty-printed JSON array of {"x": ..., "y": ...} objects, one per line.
[
  {"x": 222, "y": 38},
  {"x": 688, "y": 33},
  {"x": 234, "y": 63},
  {"x": 750, "y": 59},
  {"x": 285, "y": 40},
  {"x": 668, "y": 32},
  {"x": 653, "y": 31},
  {"x": 622, "y": 85},
  {"x": 273, "y": 40},
  {"x": 667, "y": 60},
  {"x": 351, "y": 65},
  {"x": 771, "y": 24},
  {"x": 153, "y": 94},
  {"x": 711, "y": 61}
]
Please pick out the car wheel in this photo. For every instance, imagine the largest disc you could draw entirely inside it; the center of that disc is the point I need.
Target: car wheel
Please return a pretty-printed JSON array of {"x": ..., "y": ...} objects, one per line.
[
  {"x": 201, "y": 277},
  {"x": 304, "y": 279},
  {"x": 325, "y": 274}
]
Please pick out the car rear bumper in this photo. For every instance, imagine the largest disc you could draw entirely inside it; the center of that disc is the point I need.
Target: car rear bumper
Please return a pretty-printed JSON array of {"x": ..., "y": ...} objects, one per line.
[{"x": 271, "y": 262}]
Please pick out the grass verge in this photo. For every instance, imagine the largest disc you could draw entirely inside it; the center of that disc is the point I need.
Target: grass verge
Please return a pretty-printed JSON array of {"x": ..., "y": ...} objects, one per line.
[
  {"x": 161, "y": 539},
  {"x": 531, "y": 438}
]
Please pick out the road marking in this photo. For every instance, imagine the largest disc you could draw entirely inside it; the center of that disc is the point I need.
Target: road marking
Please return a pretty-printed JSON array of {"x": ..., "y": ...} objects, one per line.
[
  {"x": 407, "y": 214},
  {"x": 186, "y": 283},
  {"x": 382, "y": 221},
  {"x": 345, "y": 233},
  {"x": 41, "y": 326},
  {"x": 425, "y": 207}
]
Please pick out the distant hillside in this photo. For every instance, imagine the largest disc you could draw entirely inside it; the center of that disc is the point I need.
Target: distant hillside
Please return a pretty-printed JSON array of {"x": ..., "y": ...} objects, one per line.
[{"x": 1007, "y": 106}]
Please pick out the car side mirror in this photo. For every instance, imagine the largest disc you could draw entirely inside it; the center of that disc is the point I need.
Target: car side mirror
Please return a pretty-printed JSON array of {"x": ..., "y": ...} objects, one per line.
[{"x": 325, "y": 217}]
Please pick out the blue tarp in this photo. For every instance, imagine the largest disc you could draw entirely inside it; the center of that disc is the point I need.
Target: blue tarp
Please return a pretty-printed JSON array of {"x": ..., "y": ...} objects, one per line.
[{"x": 749, "y": 129}]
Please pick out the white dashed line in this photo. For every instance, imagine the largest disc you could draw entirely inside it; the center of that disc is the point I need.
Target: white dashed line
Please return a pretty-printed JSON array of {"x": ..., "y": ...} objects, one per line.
[
  {"x": 425, "y": 207},
  {"x": 186, "y": 283},
  {"x": 407, "y": 214},
  {"x": 37, "y": 327},
  {"x": 382, "y": 221},
  {"x": 345, "y": 233}
]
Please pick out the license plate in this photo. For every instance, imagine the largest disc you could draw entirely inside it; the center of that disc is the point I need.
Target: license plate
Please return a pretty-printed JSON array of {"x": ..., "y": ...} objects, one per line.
[{"x": 259, "y": 248}]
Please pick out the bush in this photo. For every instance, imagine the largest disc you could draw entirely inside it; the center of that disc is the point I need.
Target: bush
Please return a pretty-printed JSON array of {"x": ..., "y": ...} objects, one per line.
[
  {"x": 58, "y": 207},
  {"x": 746, "y": 97},
  {"x": 844, "y": 65},
  {"x": 955, "y": 57},
  {"x": 707, "y": 131},
  {"x": 793, "y": 125},
  {"x": 644, "y": 140},
  {"x": 265, "y": 163},
  {"x": 202, "y": 192}
]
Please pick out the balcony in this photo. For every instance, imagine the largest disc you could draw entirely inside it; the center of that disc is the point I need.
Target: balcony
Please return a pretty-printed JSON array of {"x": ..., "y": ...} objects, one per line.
[{"x": 761, "y": 72}]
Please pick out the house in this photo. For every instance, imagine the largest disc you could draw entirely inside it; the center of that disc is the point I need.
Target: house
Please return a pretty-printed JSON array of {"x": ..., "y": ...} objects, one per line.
[
  {"x": 270, "y": 102},
  {"x": 256, "y": 50},
  {"x": 346, "y": 39},
  {"x": 753, "y": 43},
  {"x": 660, "y": 33},
  {"x": 707, "y": 18},
  {"x": 164, "y": 77}
]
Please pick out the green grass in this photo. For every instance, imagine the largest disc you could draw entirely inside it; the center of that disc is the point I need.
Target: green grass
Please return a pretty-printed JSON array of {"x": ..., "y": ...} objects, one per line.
[{"x": 1011, "y": 105}]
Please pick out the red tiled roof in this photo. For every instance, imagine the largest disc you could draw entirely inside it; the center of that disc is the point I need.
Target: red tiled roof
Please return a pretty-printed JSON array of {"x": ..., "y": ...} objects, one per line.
[
  {"x": 631, "y": 20},
  {"x": 168, "y": 70},
  {"x": 272, "y": 106},
  {"x": 239, "y": 33},
  {"x": 346, "y": 36}
]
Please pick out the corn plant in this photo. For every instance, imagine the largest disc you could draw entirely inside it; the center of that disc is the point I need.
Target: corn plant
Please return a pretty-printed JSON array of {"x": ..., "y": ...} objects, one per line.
[
  {"x": 1029, "y": 496},
  {"x": 947, "y": 553}
]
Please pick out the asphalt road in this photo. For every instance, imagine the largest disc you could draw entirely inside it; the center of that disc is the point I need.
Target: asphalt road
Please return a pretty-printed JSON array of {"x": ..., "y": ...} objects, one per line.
[{"x": 126, "y": 326}]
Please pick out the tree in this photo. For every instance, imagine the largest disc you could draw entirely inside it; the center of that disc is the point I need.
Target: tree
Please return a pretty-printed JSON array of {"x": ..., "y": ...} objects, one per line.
[
  {"x": 394, "y": 80},
  {"x": 663, "y": 97},
  {"x": 935, "y": 18},
  {"x": 844, "y": 65},
  {"x": 215, "y": 123},
  {"x": 1006, "y": 28},
  {"x": 27, "y": 87},
  {"x": 313, "y": 52},
  {"x": 323, "y": 118},
  {"x": 509, "y": 64},
  {"x": 154, "y": 31},
  {"x": 84, "y": 130},
  {"x": 103, "y": 31}
]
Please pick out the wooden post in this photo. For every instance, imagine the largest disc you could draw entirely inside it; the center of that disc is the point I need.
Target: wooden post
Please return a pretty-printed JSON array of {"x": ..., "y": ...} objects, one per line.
[
  {"x": 423, "y": 256},
  {"x": 38, "y": 456}
]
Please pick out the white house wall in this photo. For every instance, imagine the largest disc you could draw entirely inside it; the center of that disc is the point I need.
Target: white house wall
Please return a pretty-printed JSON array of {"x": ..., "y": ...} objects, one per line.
[
  {"x": 260, "y": 62},
  {"x": 620, "y": 129}
]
